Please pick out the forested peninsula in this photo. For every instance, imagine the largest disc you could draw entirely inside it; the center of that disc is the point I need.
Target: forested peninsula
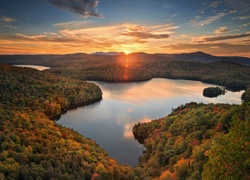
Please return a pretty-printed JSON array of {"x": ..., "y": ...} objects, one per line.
[{"x": 195, "y": 141}]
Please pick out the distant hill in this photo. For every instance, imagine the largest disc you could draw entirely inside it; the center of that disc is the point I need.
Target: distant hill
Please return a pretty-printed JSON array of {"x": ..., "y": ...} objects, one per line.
[
  {"x": 52, "y": 60},
  {"x": 231, "y": 72},
  {"x": 205, "y": 58},
  {"x": 108, "y": 53},
  {"x": 194, "y": 56}
]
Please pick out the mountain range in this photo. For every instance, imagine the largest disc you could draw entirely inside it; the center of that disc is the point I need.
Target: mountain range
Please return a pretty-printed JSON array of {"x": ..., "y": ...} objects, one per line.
[{"x": 194, "y": 56}]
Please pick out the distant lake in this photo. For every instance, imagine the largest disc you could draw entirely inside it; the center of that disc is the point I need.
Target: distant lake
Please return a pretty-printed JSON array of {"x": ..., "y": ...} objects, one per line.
[
  {"x": 110, "y": 121},
  {"x": 40, "y": 68}
]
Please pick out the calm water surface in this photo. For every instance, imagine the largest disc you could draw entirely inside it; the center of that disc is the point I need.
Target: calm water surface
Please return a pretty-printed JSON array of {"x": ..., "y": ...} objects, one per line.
[
  {"x": 40, "y": 68},
  {"x": 110, "y": 121}
]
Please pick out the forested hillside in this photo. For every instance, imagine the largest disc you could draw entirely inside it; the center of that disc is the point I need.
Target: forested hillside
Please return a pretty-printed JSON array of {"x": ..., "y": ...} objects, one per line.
[
  {"x": 30, "y": 88},
  {"x": 196, "y": 141},
  {"x": 140, "y": 67},
  {"x": 35, "y": 147},
  {"x": 137, "y": 67}
]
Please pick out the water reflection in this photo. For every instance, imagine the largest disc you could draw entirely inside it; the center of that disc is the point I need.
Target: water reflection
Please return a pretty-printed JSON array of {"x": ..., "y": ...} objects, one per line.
[
  {"x": 110, "y": 121},
  {"x": 141, "y": 92},
  {"x": 40, "y": 68},
  {"x": 129, "y": 126}
]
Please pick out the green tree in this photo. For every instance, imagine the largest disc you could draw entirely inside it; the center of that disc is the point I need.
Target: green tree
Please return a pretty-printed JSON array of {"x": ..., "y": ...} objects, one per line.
[{"x": 229, "y": 156}]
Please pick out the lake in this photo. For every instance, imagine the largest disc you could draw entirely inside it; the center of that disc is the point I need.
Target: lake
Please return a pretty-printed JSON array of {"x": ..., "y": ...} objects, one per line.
[
  {"x": 40, "y": 68},
  {"x": 110, "y": 121}
]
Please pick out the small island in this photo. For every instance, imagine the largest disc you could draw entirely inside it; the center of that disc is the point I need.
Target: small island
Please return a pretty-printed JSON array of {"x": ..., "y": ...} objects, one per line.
[{"x": 213, "y": 91}]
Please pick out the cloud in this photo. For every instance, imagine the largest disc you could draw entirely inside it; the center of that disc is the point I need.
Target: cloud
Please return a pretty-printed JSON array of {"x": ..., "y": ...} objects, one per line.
[
  {"x": 215, "y": 4},
  {"x": 214, "y": 47},
  {"x": 212, "y": 19},
  {"x": 9, "y": 26},
  {"x": 246, "y": 24},
  {"x": 209, "y": 20},
  {"x": 241, "y": 17},
  {"x": 164, "y": 28},
  {"x": 145, "y": 35},
  {"x": 75, "y": 36},
  {"x": 174, "y": 15},
  {"x": 46, "y": 37},
  {"x": 5, "y": 19},
  {"x": 85, "y": 39},
  {"x": 121, "y": 32},
  {"x": 220, "y": 38},
  {"x": 142, "y": 32},
  {"x": 241, "y": 6},
  {"x": 221, "y": 30},
  {"x": 196, "y": 19},
  {"x": 232, "y": 11},
  {"x": 84, "y": 8},
  {"x": 73, "y": 24},
  {"x": 135, "y": 27}
]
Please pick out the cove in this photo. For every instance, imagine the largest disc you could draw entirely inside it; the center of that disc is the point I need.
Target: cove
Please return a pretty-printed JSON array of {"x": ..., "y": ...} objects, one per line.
[{"x": 110, "y": 121}]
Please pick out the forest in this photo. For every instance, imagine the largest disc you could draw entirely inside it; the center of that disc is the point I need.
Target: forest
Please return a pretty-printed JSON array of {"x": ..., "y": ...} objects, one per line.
[
  {"x": 35, "y": 147},
  {"x": 195, "y": 141}
]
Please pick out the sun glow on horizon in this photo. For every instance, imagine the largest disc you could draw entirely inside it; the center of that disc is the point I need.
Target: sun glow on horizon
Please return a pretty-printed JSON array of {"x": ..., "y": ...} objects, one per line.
[{"x": 126, "y": 52}]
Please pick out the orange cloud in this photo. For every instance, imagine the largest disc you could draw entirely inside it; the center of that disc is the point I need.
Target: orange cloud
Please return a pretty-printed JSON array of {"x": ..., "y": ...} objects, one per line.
[
  {"x": 227, "y": 37},
  {"x": 78, "y": 36},
  {"x": 145, "y": 35},
  {"x": 221, "y": 30}
]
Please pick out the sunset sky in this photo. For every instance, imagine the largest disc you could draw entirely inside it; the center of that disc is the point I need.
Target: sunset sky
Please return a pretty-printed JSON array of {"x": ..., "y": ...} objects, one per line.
[{"x": 151, "y": 26}]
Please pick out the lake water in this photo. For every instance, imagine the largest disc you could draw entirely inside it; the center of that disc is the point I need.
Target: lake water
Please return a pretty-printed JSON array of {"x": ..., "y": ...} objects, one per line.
[
  {"x": 40, "y": 68},
  {"x": 110, "y": 121}
]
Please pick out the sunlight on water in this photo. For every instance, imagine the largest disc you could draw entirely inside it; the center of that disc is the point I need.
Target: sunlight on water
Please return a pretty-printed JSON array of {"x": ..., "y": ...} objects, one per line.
[{"x": 40, "y": 68}]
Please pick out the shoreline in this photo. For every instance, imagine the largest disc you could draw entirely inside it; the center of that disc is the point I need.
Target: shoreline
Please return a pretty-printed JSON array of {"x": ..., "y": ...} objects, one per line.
[
  {"x": 227, "y": 87},
  {"x": 75, "y": 106}
]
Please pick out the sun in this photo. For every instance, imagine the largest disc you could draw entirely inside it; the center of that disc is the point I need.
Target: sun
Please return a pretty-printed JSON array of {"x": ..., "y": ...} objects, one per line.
[{"x": 126, "y": 52}]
